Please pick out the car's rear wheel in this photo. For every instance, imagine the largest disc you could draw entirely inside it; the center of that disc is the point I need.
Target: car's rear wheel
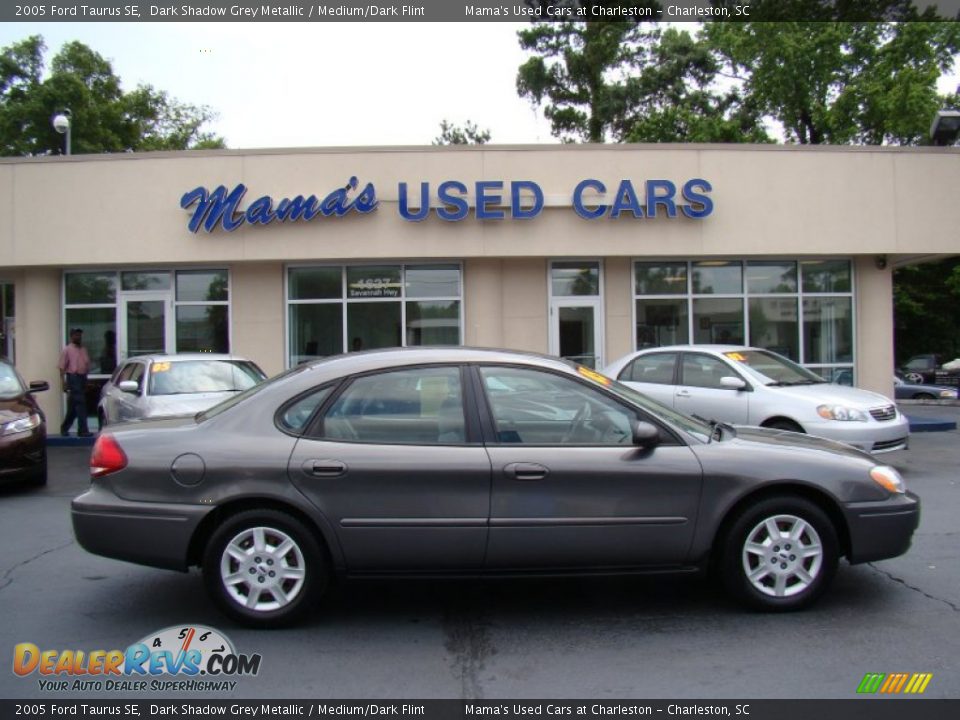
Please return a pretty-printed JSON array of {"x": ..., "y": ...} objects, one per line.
[
  {"x": 264, "y": 568},
  {"x": 924, "y": 396},
  {"x": 779, "y": 554}
]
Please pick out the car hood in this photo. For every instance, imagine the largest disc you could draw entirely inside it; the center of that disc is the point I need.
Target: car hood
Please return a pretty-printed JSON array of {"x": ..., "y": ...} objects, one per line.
[
  {"x": 787, "y": 439},
  {"x": 186, "y": 404},
  {"x": 828, "y": 393}
]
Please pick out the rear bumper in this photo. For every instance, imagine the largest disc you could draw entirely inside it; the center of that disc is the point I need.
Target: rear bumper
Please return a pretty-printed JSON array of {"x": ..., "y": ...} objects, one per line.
[
  {"x": 881, "y": 530},
  {"x": 154, "y": 534}
]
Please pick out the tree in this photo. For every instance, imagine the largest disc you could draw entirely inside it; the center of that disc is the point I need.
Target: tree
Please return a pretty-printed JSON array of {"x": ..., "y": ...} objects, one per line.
[
  {"x": 920, "y": 295},
  {"x": 104, "y": 117},
  {"x": 469, "y": 134},
  {"x": 841, "y": 82},
  {"x": 617, "y": 81}
]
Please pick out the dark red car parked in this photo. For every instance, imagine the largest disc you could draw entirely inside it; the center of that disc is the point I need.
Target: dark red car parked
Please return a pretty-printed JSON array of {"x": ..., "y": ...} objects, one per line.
[{"x": 23, "y": 429}]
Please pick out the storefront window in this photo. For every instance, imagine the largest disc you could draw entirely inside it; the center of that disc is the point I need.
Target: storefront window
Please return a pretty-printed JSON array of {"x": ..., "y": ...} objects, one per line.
[
  {"x": 145, "y": 281},
  {"x": 575, "y": 278},
  {"x": 717, "y": 278},
  {"x": 662, "y": 322},
  {"x": 765, "y": 278},
  {"x": 718, "y": 320},
  {"x": 203, "y": 328},
  {"x": 99, "y": 336},
  {"x": 378, "y": 310},
  {"x": 660, "y": 278},
  {"x": 828, "y": 330},
  {"x": 90, "y": 288},
  {"x": 822, "y": 276},
  {"x": 774, "y": 326},
  {"x": 201, "y": 285},
  {"x": 433, "y": 322},
  {"x": 800, "y": 309}
]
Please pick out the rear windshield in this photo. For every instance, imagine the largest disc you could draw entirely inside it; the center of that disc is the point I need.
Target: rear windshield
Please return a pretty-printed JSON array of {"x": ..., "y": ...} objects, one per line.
[{"x": 182, "y": 377}]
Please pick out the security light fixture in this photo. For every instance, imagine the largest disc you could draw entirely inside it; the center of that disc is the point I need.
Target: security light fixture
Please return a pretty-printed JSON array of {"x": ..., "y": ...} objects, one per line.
[
  {"x": 62, "y": 124},
  {"x": 945, "y": 127}
]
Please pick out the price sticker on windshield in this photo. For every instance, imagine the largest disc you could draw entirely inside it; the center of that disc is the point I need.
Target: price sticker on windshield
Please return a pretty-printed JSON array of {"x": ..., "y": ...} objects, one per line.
[
  {"x": 736, "y": 356},
  {"x": 593, "y": 375},
  {"x": 160, "y": 367}
]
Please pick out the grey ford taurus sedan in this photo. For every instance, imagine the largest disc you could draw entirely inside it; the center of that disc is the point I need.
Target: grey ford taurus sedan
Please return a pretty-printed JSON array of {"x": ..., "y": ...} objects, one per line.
[{"x": 454, "y": 461}]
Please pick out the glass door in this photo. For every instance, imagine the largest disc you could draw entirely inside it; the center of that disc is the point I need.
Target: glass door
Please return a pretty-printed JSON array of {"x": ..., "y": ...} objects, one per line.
[
  {"x": 576, "y": 333},
  {"x": 576, "y": 311},
  {"x": 146, "y": 324}
]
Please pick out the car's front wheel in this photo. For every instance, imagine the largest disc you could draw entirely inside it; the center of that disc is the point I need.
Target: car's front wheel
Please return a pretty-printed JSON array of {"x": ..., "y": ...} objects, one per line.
[
  {"x": 779, "y": 554},
  {"x": 264, "y": 568}
]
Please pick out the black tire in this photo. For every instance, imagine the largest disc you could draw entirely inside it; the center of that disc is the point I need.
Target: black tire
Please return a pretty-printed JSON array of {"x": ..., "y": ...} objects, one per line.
[
  {"x": 796, "y": 579},
  {"x": 924, "y": 396},
  {"x": 784, "y": 424},
  {"x": 304, "y": 558},
  {"x": 39, "y": 478}
]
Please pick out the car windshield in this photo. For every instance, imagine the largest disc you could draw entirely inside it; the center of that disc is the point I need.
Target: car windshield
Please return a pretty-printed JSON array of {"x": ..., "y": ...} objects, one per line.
[
  {"x": 772, "y": 369},
  {"x": 10, "y": 384},
  {"x": 181, "y": 377},
  {"x": 697, "y": 428},
  {"x": 250, "y": 392}
]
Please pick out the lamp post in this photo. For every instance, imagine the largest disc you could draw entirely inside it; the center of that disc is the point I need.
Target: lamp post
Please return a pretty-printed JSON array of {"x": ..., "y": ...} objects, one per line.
[{"x": 62, "y": 123}]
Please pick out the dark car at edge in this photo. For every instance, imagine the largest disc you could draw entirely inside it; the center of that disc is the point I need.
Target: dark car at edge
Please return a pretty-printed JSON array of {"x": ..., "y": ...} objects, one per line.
[
  {"x": 459, "y": 461},
  {"x": 23, "y": 429}
]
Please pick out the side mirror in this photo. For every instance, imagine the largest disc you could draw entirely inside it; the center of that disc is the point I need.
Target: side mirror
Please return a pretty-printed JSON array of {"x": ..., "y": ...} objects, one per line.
[
  {"x": 39, "y": 385},
  {"x": 732, "y": 383},
  {"x": 645, "y": 435},
  {"x": 129, "y": 386}
]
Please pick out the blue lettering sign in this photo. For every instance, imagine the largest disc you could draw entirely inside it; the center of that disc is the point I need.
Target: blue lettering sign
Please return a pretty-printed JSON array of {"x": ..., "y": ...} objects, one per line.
[
  {"x": 404, "y": 207},
  {"x": 578, "y": 205},
  {"x": 516, "y": 206},
  {"x": 665, "y": 199},
  {"x": 222, "y": 208},
  {"x": 454, "y": 207},
  {"x": 702, "y": 205}
]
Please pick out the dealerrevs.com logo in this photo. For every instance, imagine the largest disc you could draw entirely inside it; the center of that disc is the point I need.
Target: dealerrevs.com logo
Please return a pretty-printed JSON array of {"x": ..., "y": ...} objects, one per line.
[
  {"x": 187, "y": 658},
  {"x": 895, "y": 683}
]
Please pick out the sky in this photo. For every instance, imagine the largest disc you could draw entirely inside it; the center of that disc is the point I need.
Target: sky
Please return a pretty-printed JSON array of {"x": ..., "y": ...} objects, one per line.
[
  {"x": 325, "y": 84},
  {"x": 321, "y": 84}
]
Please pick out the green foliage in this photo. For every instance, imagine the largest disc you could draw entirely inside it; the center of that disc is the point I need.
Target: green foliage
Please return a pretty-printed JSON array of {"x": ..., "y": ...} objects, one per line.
[
  {"x": 469, "y": 134},
  {"x": 842, "y": 82},
  {"x": 104, "y": 117},
  {"x": 925, "y": 299},
  {"x": 602, "y": 81}
]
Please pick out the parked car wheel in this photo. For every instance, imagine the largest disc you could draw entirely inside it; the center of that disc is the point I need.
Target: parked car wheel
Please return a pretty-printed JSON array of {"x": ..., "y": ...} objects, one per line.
[
  {"x": 264, "y": 568},
  {"x": 39, "y": 479},
  {"x": 924, "y": 396},
  {"x": 783, "y": 424},
  {"x": 779, "y": 554}
]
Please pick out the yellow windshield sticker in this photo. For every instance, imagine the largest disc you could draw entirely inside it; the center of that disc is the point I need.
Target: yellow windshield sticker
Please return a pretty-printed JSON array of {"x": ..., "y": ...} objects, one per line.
[
  {"x": 160, "y": 367},
  {"x": 736, "y": 356},
  {"x": 593, "y": 375}
]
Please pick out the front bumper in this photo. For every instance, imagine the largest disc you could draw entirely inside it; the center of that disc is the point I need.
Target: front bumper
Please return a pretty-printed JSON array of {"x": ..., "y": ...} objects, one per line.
[
  {"x": 22, "y": 455},
  {"x": 881, "y": 530},
  {"x": 872, "y": 436},
  {"x": 155, "y": 534}
]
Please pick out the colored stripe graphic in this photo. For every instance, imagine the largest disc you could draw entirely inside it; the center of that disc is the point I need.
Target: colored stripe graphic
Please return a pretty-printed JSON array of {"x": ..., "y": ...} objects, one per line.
[
  {"x": 895, "y": 683},
  {"x": 871, "y": 682}
]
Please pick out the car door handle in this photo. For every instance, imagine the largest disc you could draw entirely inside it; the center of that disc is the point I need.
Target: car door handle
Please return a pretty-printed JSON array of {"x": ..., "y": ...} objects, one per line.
[
  {"x": 324, "y": 468},
  {"x": 683, "y": 393},
  {"x": 525, "y": 471}
]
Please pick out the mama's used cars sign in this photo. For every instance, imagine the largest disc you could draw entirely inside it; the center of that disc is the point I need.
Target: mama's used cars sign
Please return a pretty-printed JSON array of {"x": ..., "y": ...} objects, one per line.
[{"x": 486, "y": 200}]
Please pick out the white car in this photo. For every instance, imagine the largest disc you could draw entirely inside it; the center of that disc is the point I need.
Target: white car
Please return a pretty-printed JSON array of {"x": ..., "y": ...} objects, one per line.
[
  {"x": 752, "y": 386},
  {"x": 151, "y": 386}
]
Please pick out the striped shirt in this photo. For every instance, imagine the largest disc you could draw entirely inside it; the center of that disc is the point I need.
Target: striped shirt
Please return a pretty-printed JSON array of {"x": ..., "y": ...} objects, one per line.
[{"x": 74, "y": 360}]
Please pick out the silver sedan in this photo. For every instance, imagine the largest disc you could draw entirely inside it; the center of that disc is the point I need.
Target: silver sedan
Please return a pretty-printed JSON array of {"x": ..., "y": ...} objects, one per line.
[{"x": 149, "y": 386}]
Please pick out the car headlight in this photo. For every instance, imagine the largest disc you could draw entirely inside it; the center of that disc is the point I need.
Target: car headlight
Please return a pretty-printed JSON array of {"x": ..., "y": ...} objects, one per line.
[
  {"x": 888, "y": 478},
  {"x": 948, "y": 394},
  {"x": 29, "y": 422},
  {"x": 841, "y": 412}
]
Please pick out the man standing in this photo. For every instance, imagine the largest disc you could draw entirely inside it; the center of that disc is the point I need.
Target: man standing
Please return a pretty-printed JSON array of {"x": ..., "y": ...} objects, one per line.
[{"x": 74, "y": 366}]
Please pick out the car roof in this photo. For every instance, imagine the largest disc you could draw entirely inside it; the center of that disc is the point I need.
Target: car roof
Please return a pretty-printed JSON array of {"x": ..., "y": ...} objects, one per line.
[
  {"x": 704, "y": 347},
  {"x": 181, "y": 357},
  {"x": 396, "y": 357}
]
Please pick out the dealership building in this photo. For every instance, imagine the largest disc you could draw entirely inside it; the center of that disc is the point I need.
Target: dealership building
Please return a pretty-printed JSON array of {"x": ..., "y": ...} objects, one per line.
[{"x": 584, "y": 251}]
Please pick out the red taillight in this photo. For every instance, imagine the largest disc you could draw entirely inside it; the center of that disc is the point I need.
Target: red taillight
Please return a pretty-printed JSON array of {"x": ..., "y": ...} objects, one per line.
[{"x": 107, "y": 456}]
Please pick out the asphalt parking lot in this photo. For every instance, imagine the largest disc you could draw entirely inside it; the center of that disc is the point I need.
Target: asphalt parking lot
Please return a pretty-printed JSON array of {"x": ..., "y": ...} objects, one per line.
[{"x": 652, "y": 637}]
